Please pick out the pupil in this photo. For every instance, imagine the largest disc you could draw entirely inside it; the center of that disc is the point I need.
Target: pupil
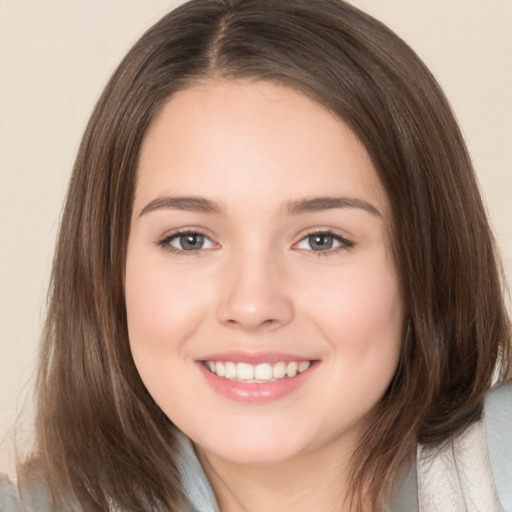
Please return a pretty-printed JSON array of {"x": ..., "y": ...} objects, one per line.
[
  {"x": 191, "y": 242},
  {"x": 320, "y": 242}
]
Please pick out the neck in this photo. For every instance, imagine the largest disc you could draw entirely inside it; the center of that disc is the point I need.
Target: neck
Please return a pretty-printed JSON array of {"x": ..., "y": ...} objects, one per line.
[{"x": 312, "y": 481}]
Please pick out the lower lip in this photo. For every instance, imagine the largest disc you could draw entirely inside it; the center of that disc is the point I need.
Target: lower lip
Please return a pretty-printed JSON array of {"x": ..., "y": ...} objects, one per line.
[{"x": 255, "y": 392}]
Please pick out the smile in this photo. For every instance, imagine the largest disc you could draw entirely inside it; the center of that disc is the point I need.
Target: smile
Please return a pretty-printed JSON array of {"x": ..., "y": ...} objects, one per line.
[{"x": 256, "y": 373}]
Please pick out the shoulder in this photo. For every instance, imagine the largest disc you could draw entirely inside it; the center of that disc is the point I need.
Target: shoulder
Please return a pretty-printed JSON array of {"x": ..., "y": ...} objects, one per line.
[
  {"x": 196, "y": 486},
  {"x": 473, "y": 470},
  {"x": 198, "y": 492},
  {"x": 8, "y": 496},
  {"x": 36, "y": 500},
  {"x": 498, "y": 429}
]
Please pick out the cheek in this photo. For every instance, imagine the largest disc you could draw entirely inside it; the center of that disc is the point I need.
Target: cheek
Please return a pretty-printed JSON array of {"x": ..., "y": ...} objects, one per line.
[
  {"x": 360, "y": 314},
  {"x": 163, "y": 307},
  {"x": 359, "y": 311}
]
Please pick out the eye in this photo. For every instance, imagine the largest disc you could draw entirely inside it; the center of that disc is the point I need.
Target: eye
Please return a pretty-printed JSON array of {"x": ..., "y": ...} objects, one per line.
[
  {"x": 323, "y": 241},
  {"x": 187, "y": 241}
]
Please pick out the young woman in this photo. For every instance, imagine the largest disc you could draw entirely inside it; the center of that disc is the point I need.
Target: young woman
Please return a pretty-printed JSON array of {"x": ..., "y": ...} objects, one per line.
[{"x": 275, "y": 287}]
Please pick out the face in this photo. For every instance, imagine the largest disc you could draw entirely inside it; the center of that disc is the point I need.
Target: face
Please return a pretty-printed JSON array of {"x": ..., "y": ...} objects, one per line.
[{"x": 264, "y": 310}]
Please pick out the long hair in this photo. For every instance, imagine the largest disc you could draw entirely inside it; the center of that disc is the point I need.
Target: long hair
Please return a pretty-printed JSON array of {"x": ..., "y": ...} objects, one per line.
[{"x": 101, "y": 439}]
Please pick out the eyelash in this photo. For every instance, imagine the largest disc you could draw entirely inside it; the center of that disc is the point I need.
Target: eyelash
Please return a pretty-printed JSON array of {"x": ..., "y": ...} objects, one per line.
[
  {"x": 165, "y": 243},
  {"x": 345, "y": 244}
]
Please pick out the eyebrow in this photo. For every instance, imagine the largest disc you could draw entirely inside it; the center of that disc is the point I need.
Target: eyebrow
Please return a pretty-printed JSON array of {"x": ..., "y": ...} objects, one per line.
[
  {"x": 300, "y": 206},
  {"x": 317, "y": 204},
  {"x": 187, "y": 203}
]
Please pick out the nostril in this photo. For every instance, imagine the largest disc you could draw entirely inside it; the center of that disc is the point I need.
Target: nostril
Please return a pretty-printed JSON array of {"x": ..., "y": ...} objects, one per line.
[{"x": 270, "y": 322}]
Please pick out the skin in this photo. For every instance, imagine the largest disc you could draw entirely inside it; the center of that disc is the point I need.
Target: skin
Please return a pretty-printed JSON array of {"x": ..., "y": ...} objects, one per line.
[{"x": 257, "y": 285}]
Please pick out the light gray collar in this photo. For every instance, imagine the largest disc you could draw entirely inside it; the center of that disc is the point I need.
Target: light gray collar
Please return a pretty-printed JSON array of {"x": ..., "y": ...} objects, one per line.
[
  {"x": 196, "y": 486},
  {"x": 405, "y": 495},
  {"x": 202, "y": 499}
]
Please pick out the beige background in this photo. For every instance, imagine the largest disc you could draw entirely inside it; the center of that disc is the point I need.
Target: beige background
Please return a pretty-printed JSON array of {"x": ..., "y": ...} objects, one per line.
[{"x": 55, "y": 57}]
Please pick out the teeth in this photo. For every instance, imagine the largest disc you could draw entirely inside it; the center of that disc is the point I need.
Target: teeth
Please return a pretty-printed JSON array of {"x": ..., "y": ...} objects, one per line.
[
  {"x": 279, "y": 370},
  {"x": 230, "y": 370},
  {"x": 303, "y": 366},
  {"x": 291, "y": 371},
  {"x": 220, "y": 370},
  {"x": 244, "y": 371},
  {"x": 263, "y": 372}
]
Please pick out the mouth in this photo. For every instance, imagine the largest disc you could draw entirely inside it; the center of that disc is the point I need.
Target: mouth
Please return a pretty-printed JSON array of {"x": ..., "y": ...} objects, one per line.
[
  {"x": 256, "y": 373},
  {"x": 256, "y": 378}
]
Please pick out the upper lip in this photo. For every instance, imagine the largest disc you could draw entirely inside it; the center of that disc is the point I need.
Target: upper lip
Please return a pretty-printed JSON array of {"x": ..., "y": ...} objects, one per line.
[{"x": 255, "y": 357}]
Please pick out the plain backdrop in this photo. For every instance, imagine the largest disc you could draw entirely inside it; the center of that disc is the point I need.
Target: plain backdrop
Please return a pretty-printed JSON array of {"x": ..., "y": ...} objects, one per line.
[{"x": 55, "y": 58}]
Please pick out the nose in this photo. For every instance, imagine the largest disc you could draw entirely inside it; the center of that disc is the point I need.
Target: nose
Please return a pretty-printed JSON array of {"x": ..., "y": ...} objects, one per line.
[{"x": 254, "y": 296}]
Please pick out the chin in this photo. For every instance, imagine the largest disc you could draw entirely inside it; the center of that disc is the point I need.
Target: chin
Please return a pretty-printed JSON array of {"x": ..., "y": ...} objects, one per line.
[{"x": 265, "y": 446}]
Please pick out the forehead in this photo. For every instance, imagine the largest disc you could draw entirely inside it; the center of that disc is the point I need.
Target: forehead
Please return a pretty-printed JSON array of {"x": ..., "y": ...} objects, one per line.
[{"x": 247, "y": 139}]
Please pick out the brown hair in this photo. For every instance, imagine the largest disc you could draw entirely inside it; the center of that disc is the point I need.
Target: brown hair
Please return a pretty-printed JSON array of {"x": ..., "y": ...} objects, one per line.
[{"x": 100, "y": 436}]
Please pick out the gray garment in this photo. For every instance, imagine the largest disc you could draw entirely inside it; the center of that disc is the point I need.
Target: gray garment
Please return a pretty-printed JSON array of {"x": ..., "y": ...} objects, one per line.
[
  {"x": 481, "y": 458},
  {"x": 472, "y": 472},
  {"x": 196, "y": 485},
  {"x": 469, "y": 473},
  {"x": 8, "y": 498}
]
